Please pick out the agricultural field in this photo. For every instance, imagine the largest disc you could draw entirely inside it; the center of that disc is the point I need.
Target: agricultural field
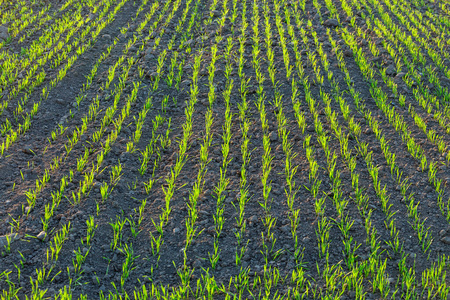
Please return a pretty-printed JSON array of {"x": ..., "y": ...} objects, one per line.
[{"x": 224, "y": 149}]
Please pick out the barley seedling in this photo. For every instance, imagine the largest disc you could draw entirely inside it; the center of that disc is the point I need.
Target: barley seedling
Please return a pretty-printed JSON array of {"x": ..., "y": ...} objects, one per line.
[{"x": 117, "y": 227}]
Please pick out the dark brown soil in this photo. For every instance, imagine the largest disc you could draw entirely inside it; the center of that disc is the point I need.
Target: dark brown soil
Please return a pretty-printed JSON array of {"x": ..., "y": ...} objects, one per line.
[{"x": 26, "y": 161}]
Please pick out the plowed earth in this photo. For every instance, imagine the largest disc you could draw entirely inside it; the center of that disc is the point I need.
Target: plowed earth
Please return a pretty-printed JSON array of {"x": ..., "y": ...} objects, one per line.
[{"x": 268, "y": 251}]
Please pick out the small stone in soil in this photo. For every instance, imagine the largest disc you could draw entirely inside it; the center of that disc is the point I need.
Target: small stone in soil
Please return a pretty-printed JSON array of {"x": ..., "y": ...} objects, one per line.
[
  {"x": 391, "y": 71},
  {"x": 253, "y": 219},
  {"x": 3, "y": 33},
  {"x": 285, "y": 228},
  {"x": 197, "y": 263},
  {"x": 331, "y": 23},
  {"x": 273, "y": 136},
  {"x": 400, "y": 75},
  {"x": 41, "y": 236},
  {"x": 102, "y": 289},
  {"x": 446, "y": 240},
  {"x": 28, "y": 150}
]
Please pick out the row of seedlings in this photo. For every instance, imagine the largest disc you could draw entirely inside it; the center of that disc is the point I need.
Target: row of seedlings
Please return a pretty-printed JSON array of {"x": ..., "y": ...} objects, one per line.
[
  {"x": 422, "y": 232},
  {"x": 241, "y": 281},
  {"x": 350, "y": 162},
  {"x": 24, "y": 126},
  {"x": 85, "y": 187},
  {"x": 415, "y": 149}
]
